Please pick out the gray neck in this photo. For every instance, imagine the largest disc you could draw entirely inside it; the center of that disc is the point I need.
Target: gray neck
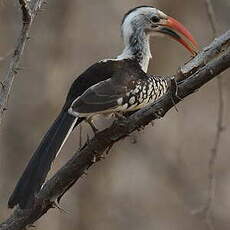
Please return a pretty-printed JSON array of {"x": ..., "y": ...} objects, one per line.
[{"x": 136, "y": 47}]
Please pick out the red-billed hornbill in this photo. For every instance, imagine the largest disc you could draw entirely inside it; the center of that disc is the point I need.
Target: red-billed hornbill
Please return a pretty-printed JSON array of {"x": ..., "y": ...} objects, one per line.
[{"x": 112, "y": 85}]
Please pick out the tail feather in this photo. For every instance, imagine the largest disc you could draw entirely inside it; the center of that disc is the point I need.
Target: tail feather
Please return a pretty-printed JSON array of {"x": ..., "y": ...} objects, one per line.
[{"x": 38, "y": 167}]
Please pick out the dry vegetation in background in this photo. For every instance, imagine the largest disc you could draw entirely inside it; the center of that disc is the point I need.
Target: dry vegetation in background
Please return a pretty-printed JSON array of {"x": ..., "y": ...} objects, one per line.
[{"x": 161, "y": 180}]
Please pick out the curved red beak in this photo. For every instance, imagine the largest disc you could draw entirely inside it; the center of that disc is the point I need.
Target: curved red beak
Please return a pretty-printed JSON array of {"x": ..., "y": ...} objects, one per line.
[{"x": 172, "y": 27}]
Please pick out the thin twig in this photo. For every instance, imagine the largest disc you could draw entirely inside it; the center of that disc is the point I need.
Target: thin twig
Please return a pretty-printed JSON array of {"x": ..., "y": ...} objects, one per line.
[
  {"x": 80, "y": 136},
  {"x": 212, "y": 17},
  {"x": 29, "y": 10},
  {"x": 210, "y": 62},
  {"x": 207, "y": 210}
]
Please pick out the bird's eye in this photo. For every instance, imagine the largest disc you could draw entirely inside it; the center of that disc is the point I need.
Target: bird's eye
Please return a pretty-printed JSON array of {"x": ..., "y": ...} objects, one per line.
[{"x": 155, "y": 19}]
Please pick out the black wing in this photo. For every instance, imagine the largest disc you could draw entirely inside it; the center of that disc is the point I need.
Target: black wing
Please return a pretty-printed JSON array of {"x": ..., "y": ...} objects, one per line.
[
  {"x": 100, "y": 87},
  {"x": 101, "y": 97},
  {"x": 94, "y": 74}
]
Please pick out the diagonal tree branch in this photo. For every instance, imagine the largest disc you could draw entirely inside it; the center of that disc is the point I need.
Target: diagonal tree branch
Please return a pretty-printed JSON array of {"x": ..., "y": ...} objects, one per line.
[
  {"x": 29, "y": 10},
  {"x": 211, "y": 61}
]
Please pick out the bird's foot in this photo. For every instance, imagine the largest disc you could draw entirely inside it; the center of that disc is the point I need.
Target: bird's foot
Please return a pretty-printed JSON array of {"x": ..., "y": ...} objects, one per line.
[{"x": 119, "y": 116}]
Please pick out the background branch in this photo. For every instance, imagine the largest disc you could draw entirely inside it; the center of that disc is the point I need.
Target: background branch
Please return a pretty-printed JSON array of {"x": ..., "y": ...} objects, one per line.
[
  {"x": 213, "y": 60},
  {"x": 207, "y": 209},
  {"x": 29, "y": 10}
]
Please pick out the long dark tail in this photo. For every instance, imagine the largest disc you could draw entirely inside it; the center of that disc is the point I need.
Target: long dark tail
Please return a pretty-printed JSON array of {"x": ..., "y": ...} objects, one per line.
[{"x": 38, "y": 167}]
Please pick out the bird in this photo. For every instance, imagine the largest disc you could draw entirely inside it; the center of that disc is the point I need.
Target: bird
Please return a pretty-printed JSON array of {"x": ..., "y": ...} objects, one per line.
[{"x": 117, "y": 85}]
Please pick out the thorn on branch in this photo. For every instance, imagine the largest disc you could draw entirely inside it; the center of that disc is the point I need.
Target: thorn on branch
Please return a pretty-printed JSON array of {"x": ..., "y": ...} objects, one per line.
[
  {"x": 102, "y": 157},
  {"x": 108, "y": 149},
  {"x": 15, "y": 70},
  {"x": 19, "y": 68},
  {"x": 85, "y": 173},
  {"x": 56, "y": 205}
]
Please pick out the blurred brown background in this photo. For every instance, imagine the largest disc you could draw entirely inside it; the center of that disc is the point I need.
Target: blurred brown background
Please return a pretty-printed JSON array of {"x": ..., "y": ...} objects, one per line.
[{"x": 157, "y": 183}]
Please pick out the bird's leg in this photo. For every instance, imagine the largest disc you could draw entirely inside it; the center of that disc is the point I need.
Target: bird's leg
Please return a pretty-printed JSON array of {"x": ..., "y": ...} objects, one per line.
[
  {"x": 80, "y": 136},
  {"x": 91, "y": 124}
]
